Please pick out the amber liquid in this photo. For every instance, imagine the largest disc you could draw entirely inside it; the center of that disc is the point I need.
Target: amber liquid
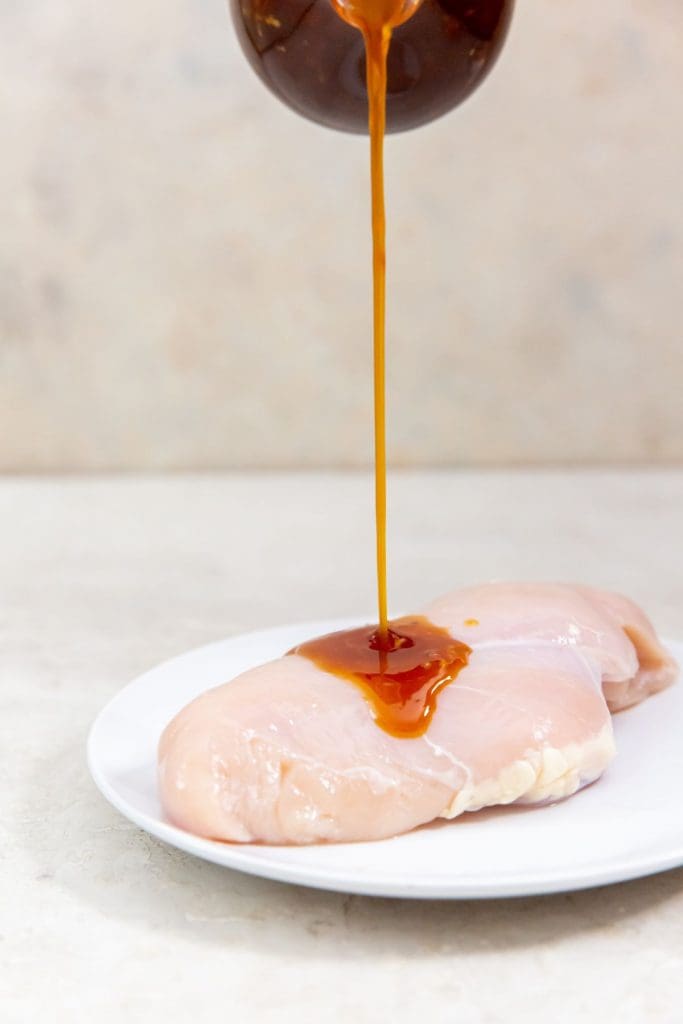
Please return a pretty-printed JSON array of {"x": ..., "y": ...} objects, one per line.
[
  {"x": 377, "y": 19},
  {"x": 400, "y": 676},
  {"x": 400, "y": 666},
  {"x": 377, "y": 47}
]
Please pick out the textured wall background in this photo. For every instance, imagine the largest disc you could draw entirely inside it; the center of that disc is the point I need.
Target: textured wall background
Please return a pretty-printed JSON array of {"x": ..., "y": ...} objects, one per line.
[{"x": 184, "y": 263}]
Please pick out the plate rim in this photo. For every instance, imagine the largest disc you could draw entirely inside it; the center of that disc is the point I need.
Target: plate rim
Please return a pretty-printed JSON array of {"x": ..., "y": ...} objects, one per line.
[{"x": 443, "y": 887}]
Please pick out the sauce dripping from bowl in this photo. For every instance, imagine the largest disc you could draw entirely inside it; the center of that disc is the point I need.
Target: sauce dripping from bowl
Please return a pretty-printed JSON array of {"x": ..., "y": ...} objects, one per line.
[
  {"x": 400, "y": 666},
  {"x": 377, "y": 19}
]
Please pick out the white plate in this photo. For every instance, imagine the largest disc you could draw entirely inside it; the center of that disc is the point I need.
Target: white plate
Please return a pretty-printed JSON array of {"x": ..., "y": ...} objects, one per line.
[{"x": 628, "y": 824}]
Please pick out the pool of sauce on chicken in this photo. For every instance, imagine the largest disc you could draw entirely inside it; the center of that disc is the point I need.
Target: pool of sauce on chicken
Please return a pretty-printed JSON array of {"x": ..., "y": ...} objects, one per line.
[{"x": 400, "y": 675}]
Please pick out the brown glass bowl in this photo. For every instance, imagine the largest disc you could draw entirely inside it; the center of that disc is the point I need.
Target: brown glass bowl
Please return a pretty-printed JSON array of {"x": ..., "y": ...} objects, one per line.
[{"x": 315, "y": 62}]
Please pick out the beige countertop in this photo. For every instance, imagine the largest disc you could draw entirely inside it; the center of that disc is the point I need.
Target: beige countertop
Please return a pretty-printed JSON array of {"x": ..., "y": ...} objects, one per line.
[{"x": 102, "y": 578}]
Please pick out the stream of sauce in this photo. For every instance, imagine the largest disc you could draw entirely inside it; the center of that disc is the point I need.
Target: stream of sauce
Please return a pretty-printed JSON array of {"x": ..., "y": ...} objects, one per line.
[
  {"x": 401, "y": 665},
  {"x": 377, "y": 19}
]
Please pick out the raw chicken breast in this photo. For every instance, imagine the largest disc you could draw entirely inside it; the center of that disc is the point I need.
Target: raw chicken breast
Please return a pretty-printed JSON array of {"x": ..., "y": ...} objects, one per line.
[
  {"x": 288, "y": 753},
  {"x": 656, "y": 669},
  {"x": 608, "y": 628}
]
